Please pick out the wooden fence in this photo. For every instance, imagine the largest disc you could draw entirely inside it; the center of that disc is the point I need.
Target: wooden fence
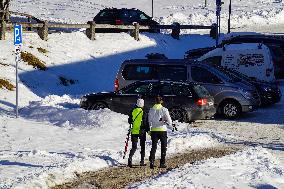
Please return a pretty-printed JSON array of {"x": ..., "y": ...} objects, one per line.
[{"x": 43, "y": 28}]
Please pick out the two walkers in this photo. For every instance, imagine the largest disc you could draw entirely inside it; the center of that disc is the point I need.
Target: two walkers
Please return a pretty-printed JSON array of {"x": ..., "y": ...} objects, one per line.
[{"x": 158, "y": 120}]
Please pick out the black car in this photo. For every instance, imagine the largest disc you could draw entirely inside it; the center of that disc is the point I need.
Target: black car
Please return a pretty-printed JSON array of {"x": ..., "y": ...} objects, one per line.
[
  {"x": 186, "y": 101},
  {"x": 124, "y": 16},
  {"x": 269, "y": 92}
]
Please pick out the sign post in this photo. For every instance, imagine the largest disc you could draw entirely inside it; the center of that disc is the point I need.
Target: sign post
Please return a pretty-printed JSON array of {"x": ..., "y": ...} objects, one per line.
[
  {"x": 18, "y": 40},
  {"x": 229, "y": 19},
  {"x": 218, "y": 19}
]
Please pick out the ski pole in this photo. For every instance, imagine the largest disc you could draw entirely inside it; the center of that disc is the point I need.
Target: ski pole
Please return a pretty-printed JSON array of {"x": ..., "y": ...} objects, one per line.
[{"x": 126, "y": 141}]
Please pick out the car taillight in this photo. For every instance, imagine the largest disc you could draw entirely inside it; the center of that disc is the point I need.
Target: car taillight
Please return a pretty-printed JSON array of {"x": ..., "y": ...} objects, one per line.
[
  {"x": 201, "y": 102},
  {"x": 116, "y": 84},
  {"x": 118, "y": 22}
]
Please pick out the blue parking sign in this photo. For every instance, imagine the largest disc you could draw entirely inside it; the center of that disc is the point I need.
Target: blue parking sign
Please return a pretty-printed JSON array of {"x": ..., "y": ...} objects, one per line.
[{"x": 18, "y": 39}]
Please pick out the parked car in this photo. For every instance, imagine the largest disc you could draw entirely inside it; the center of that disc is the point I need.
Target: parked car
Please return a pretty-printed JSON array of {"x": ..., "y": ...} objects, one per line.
[
  {"x": 124, "y": 16},
  {"x": 251, "y": 59},
  {"x": 276, "y": 46},
  {"x": 186, "y": 101},
  {"x": 269, "y": 92},
  {"x": 231, "y": 97}
]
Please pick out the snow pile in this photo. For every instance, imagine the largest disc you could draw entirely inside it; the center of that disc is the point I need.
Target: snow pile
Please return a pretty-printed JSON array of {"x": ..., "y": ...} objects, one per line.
[
  {"x": 65, "y": 111},
  {"x": 254, "y": 167}
]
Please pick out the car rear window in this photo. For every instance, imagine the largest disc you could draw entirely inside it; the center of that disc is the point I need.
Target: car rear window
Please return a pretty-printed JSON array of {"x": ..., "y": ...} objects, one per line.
[
  {"x": 201, "y": 91},
  {"x": 160, "y": 72},
  {"x": 139, "y": 72},
  {"x": 106, "y": 14}
]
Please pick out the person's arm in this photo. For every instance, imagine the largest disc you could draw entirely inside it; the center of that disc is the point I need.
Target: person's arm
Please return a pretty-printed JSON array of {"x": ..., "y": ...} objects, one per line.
[
  {"x": 130, "y": 121},
  {"x": 145, "y": 122},
  {"x": 168, "y": 117}
]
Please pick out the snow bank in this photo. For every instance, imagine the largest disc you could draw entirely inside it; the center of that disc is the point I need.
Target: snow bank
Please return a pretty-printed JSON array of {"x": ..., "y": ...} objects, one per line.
[{"x": 65, "y": 111}]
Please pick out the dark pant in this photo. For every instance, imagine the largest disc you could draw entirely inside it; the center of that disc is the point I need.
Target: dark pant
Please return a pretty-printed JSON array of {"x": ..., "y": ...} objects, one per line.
[
  {"x": 156, "y": 136},
  {"x": 134, "y": 140}
]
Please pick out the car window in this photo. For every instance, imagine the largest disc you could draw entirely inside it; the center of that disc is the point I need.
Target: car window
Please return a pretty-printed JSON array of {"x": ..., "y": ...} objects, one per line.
[
  {"x": 215, "y": 60},
  {"x": 124, "y": 14},
  {"x": 106, "y": 14},
  {"x": 174, "y": 73},
  {"x": 133, "y": 14},
  {"x": 182, "y": 90},
  {"x": 199, "y": 74},
  {"x": 154, "y": 89},
  {"x": 201, "y": 91},
  {"x": 139, "y": 72},
  {"x": 160, "y": 89},
  {"x": 136, "y": 89},
  {"x": 143, "y": 16},
  {"x": 165, "y": 89}
]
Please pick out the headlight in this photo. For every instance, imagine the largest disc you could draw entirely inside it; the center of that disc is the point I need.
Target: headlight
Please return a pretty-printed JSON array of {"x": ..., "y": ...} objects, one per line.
[{"x": 246, "y": 94}]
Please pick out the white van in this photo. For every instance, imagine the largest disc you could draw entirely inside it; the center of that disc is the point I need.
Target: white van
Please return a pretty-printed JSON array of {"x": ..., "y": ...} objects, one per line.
[{"x": 251, "y": 59}]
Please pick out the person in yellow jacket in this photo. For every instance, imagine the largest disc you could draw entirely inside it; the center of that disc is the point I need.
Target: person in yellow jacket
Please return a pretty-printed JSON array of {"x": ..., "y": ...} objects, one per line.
[
  {"x": 138, "y": 120},
  {"x": 159, "y": 118}
]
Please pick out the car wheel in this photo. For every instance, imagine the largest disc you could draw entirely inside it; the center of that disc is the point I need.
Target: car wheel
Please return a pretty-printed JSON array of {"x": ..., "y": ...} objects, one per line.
[
  {"x": 178, "y": 114},
  {"x": 231, "y": 109},
  {"x": 98, "y": 105}
]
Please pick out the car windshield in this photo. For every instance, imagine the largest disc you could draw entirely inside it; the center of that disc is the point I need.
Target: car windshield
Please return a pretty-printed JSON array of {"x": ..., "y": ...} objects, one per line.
[
  {"x": 201, "y": 91},
  {"x": 241, "y": 75},
  {"x": 233, "y": 76}
]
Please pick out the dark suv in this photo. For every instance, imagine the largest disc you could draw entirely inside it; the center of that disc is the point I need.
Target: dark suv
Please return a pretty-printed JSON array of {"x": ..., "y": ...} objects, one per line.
[
  {"x": 186, "y": 101},
  {"x": 269, "y": 92},
  {"x": 124, "y": 16}
]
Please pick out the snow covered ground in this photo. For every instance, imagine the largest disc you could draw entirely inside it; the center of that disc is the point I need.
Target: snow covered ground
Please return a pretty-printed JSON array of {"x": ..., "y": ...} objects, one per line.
[{"x": 54, "y": 139}]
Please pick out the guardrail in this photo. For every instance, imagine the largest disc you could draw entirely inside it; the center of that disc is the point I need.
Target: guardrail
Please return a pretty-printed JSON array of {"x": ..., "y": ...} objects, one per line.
[{"x": 43, "y": 27}]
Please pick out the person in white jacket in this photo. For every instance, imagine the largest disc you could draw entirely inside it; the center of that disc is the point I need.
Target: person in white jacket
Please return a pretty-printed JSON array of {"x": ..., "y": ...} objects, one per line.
[{"x": 159, "y": 119}]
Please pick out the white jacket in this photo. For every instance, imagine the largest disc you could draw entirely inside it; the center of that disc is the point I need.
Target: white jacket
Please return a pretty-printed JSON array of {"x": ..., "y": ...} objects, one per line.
[{"x": 159, "y": 117}]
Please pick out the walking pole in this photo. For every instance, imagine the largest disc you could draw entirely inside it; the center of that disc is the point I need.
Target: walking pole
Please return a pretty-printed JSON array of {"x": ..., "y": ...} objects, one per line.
[{"x": 127, "y": 141}]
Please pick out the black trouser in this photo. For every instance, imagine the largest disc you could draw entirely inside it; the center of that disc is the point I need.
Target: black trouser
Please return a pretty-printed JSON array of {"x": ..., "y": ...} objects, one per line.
[
  {"x": 134, "y": 140},
  {"x": 155, "y": 137}
]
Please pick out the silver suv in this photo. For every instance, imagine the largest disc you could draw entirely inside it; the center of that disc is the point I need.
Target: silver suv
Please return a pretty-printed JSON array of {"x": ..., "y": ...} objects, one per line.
[{"x": 232, "y": 96}]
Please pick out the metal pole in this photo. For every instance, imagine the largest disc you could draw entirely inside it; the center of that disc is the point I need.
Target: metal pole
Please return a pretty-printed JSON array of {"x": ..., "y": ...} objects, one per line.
[
  {"x": 217, "y": 26},
  {"x": 205, "y": 3},
  {"x": 229, "y": 20},
  {"x": 17, "y": 86},
  {"x": 152, "y": 8}
]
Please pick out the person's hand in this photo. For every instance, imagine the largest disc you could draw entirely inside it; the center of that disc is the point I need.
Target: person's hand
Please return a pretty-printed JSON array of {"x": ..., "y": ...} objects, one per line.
[{"x": 174, "y": 128}]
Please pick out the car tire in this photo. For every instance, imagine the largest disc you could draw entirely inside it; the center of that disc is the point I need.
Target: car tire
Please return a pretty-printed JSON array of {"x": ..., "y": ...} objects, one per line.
[
  {"x": 178, "y": 114},
  {"x": 231, "y": 109},
  {"x": 97, "y": 106}
]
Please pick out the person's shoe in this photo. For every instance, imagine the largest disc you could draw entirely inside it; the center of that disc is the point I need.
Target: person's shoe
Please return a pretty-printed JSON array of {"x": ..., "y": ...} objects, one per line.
[
  {"x": 129, "y": 163},
  {"x": 163, "y": 165},
  {"x": 151, "y": 165},
  {"x": 142, "y": 163}
]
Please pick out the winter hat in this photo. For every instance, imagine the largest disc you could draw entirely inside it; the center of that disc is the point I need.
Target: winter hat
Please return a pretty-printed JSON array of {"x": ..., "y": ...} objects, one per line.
[{"x": 140, "y": 102}]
